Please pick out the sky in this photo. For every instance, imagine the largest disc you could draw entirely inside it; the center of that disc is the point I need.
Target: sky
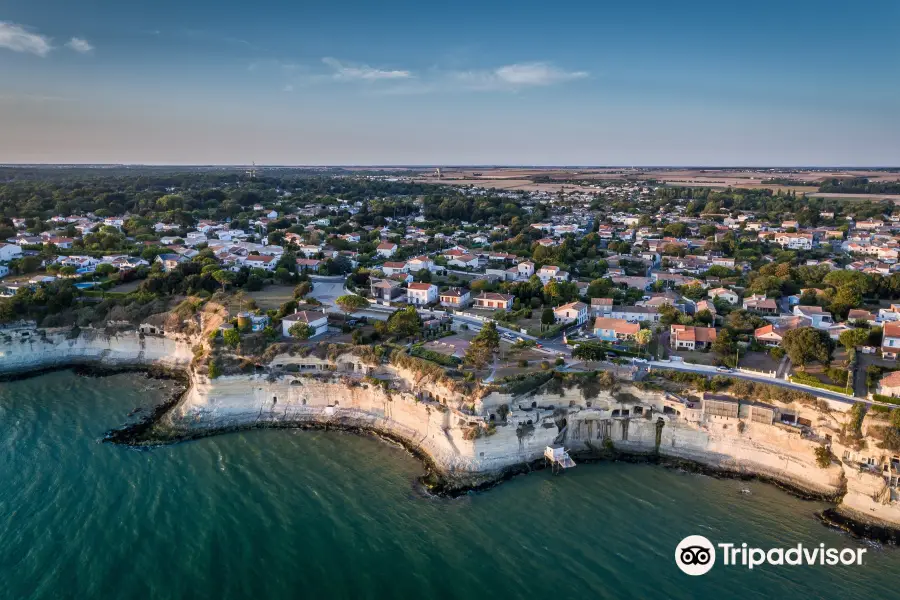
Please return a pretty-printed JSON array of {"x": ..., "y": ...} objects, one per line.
[{"x": 288, "y": 82}]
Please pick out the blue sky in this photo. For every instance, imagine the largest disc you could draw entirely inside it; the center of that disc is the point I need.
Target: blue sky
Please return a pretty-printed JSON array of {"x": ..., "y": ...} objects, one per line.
[{"x": 577, "y": 83}]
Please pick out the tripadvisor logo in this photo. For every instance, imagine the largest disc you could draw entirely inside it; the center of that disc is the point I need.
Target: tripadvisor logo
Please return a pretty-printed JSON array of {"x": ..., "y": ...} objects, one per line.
[{"x": 696, "y": 555}]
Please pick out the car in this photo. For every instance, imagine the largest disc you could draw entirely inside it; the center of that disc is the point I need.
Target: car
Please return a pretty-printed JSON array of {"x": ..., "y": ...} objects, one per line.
[
  {"x": 538, "y": 346},
  {"x": 724, "y": 369}
]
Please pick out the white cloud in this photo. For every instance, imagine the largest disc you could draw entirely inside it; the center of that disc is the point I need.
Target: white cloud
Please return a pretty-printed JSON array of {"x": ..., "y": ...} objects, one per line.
[
  {"x": 79, "y": 45},
  {"x": 18, "y": 39},
  {"x": 515, "y": 76},
  {"x": 347, "y": 72},
  {"x": 535, "y": 74}
]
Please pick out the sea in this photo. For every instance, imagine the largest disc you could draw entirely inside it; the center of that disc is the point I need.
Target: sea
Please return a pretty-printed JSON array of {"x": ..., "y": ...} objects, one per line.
[{"x": 315, "y": 514}]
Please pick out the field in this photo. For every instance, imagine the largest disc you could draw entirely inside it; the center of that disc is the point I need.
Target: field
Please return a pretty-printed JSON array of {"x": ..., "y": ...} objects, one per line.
[
  {"x": 272, "y": 296},
  {"x": 807, "y": 180}
]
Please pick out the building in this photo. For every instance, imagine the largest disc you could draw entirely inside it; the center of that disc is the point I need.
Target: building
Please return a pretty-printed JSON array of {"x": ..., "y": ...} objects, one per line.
[
  {"x": 635, "y": 314},
  {"x": 257, "y": 261},
  {"x": 820, "y": 319},
  {"x": 392, "y": 268},
  {"x": 795, "y": 241},
  {"x": 611, "y": 330},
  {"x": 601, "y": 307},
  {"x": 421, "y": 293},
  {"x": 170, "y": 261},
  {"x": 720, "y": 406},
  {"x": 761, "y": 305},
  {"x": 317, "y": 321},
  {"x": 890, "y": 384},
  {"x": 890, "y": 343},
  {"x": 420, "y": 262},
  {"x": 573, "y": 312},
  {"x": 386, "y": 290},
  {"x": 386, "y": 249},
  {"x": 455, "y": 298},
  {"x": 686, "y": 337},
  {"x": 550, "y": 273},
  {"x": 493, "y": 300},
  {"x": 525, "y": 269},
  {"x": 9, "y": 251},
  {"x": 725, "y": 294}
]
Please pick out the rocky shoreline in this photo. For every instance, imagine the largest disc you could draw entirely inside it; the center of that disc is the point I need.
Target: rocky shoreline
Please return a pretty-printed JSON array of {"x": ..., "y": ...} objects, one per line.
[{"x": 151, "y": 431}]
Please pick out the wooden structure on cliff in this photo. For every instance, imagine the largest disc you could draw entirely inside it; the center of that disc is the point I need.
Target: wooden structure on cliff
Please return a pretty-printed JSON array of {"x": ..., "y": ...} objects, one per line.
[{"x": 558, "y": 458}]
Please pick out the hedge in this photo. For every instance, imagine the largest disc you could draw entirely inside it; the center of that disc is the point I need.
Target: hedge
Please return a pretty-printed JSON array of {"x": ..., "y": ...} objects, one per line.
[
  {"x": 886, "y": 399},
  {"x": 810, "y": 380}
]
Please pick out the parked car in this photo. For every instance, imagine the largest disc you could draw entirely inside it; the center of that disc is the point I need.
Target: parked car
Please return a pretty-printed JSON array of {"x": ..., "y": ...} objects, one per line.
[{"x": 724, "y": 370}]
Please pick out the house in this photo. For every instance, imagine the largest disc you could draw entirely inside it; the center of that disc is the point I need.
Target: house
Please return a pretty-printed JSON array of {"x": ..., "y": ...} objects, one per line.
[
  {"x": 309, "y": 264},
  {"x": 386, "y": 290},
  {"x": 890, "y": 384},
  {"x": 601, "y": 307},
  {"x": 493, "y": 300},
  {"x": 9, "y": 252},
  {"x": 464, "y": 261},
  {"x": 455, "y": 298},
  {"x": 761, "y": 304},
  {"x": 636, "y": 314},
  {"x": 573, "y": 312},
  {"x": 611, "y": 330},
  {"x": 890, "y": 343},
  {"x": 821, "y": 319},
  {"x": 317, "y": 321},
  {"x": 725, "y": 294},
  {"x": 858, "y": 314},
  {"x": 257, "y": 261},
  {"x": 421, "y": 293},
  {"x": 687, "y": 337},
  {"x": 525, "y": 269},
  {"x": 550, "y": 272},
  {"x": 170, "y": 261},
  {"x": 392, "y": 268},
  {"x": 60, "y": 242},
  {"x": 420, "y": 262},
  {"x": 795, "y": 241},
  {"x": 386, "y": 249}
]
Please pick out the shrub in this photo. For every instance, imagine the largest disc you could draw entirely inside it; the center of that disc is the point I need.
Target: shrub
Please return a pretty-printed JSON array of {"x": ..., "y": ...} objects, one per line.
[{"x": 823, "y": 457}]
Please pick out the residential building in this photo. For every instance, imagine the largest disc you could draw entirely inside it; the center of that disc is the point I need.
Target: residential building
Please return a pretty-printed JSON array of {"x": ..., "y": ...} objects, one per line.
[
  {"x": 761, "y": 304},
  {"x": 455, "y": 298},
  {"x": 258, "y": 261},
  {"x": 317, "y": 321},
  {"x": 612, "y": 330},
  {"x": 635, "y": 314},
  {"x": 573, "y": 312},
  {"x": 795, "y": 241},
  {"x": 170, "y": 261},
  {"x": 392, "y": 268},
  {"x": 725, "y": 294},
  {"x": 421, "y": 293},
  {"x": 890, "y": 384},
  {"x": 686, "y": 337},
  {"x": 819, "y": 318},
  {"x": 493, "y": 300},
  {"x": 890, "y": 343},
  {"x": 386, "y": 249},
  {"x": 601, "y": 307},
  {"x": 9, "y": 251}
]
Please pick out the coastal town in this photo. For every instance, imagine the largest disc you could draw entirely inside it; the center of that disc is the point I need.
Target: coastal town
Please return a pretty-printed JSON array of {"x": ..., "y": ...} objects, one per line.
[{"x": 747, "y": 301}]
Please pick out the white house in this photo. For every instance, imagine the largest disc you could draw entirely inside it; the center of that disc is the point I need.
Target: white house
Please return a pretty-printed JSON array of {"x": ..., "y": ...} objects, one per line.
[
  {"x": 573, "y": 312},
  {"x": 392, "y": 268},
  {"x": 551, "y": 272},
  {"x": 725, "y": 294},
  {"x": 525, "y": 269},
  {"x": 890, "y": 343},
  {"x": 421, "y": 293},
  {"x": 317, "y": 321},
  {"x": 420, "y": 262},
  {"x": 635, "y": 314},
  {"x": 795, "y": 241},
  {"x": 9, "y": 252},
  {"x": 821, "y": 319},
  {"x": 256, "y": 261},
  {"x": 386, "y": 249}
]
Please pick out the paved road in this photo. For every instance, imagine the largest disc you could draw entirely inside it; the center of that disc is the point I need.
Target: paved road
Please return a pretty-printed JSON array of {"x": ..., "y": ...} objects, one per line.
[{"x": 327, "y": 289}]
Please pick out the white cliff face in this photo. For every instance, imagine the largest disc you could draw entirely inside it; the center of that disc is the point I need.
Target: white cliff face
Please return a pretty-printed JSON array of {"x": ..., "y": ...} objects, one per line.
[
  {"x": 27, "y": 350},
  {"x": 506, "y": 431}
]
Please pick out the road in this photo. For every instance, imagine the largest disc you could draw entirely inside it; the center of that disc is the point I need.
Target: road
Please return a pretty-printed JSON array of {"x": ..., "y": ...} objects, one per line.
[{"x": 327, "y": 289}]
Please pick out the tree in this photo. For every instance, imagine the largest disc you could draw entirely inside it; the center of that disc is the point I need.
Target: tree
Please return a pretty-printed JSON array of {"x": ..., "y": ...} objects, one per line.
[
  {"x": 302, "y": 289},
  {"x": 807, "y": 344},
  {"x": 350, "y": 303},
  {"x": 548, "y": 317},
  {"x": 214, "y": 370},
  {"x": 405, "y": 322},
  {"x": 482, "y": 347},
  {"x": 104, "y": 269},
  {"x": 643, "y": 337},
  {"x": 232, "y": 337},
  {"x": 222, "y": 276},
  {"x": 725, "y": 345},
  {"x": 301, "y": 331},
  {"x": 853, "y": 338}
]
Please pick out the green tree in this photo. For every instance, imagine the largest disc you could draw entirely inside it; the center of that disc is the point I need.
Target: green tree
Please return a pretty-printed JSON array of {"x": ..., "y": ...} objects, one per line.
[
  {"x": 482, "y": 347},
  {"x": 351, "y": 303},
  {"x": 405, "y": 323},
  {"x": 222, "y": 276},
  {"x": 807, "y": 344},
  {"x": 232, "y": 337},
  {"x": 725, "y": 346},
  {"x": 548, "y": 318},
  {"x": 214, "y": 370},
  {"x": 643, "y": 337},
  {"x": 853, "y": 338},
  {"x": 301, "y": 331}
]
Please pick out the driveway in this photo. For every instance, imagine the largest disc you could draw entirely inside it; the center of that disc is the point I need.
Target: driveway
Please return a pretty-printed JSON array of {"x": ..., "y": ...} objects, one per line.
[{"x": 327, "y": 289}]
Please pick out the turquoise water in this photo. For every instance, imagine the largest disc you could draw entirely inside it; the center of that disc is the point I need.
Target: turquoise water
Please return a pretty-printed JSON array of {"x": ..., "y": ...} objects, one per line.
[{"x": 284, "y": 514}]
